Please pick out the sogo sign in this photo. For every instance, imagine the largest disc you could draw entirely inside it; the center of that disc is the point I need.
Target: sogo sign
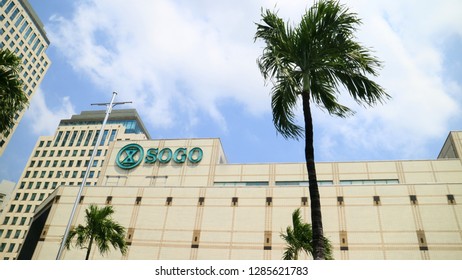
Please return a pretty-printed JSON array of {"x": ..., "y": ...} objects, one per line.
[{"x": 132, "y": 155}]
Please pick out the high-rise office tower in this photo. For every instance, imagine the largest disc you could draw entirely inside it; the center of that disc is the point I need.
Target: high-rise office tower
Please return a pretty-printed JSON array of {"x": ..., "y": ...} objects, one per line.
[
  {"x": 62, "y": 159},
  {"x": 21, "y": 31}
]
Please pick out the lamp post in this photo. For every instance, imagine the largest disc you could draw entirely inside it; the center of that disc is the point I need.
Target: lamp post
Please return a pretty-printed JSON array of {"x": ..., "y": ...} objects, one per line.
[{"x": 109, "y": 107}]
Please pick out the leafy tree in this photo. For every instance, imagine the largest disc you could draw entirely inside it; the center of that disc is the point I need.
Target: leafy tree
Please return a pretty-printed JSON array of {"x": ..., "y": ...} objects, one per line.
[
  {"x": 309, "y": 63},
  {"x": 12, "y": 97},
  {"x": 99, "y": 228},
  {"x": 299, "y": 238}
]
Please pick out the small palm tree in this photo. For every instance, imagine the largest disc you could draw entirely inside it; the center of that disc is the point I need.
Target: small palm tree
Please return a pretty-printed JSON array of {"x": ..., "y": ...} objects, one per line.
[
  {"x": 308, "y": 64},
  {"x": 12, "y": 97},
  {"x": 299, "y": 238},
  {"x": 99, "y": 228}
]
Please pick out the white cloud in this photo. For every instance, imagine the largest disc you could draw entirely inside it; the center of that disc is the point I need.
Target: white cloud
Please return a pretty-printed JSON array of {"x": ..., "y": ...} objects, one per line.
[
  {"x": 174, "y": 60},
  {"x": 44, "y": 120},
  {"x": 178, "y": 58}
]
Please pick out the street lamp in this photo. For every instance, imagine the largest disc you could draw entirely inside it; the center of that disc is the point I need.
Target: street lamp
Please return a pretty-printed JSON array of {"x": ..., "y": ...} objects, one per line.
[{"x": 109, "y": 107}]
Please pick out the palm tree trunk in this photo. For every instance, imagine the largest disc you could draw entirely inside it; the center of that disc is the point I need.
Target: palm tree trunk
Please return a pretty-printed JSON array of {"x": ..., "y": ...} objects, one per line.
[
  {"x": 89, "y": 248},
  {"x": 316, "y": 217}
]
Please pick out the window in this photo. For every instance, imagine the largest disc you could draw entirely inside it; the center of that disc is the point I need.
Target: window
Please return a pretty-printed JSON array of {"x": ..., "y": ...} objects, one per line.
[
  {"x": 138, "y": 200},
  {"x": 6, "y": 220},
  {"x": 14, "y": 14},
  {"x": 58, "y": 137},
  {"x": 2, "y": 247},
  {"x": 79, "y": 141},
  {"x": 377, "y": 200},
  {"x": 9, "y": 7},
  {"x": 96, "y": 138},
  {"x": 236, "y": 184},
  {"x": 369, "y": 182},
  {"x": 303, "y": 183},
  {"x": 23, "y": 221},
  {"x": 451, "y": 199},
  {"x": 11, "y": 248},
  {"x": 103, "y": 139},
  {"x": 24, "y": 197},
  {"x": 19, "y": 208},
  {"x": 113, "y": 134},
  {"x": 16, "y": 234}
]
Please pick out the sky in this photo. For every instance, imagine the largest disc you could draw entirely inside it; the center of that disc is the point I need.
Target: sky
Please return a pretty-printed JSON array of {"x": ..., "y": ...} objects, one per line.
[{"x": 189, "y": 67}]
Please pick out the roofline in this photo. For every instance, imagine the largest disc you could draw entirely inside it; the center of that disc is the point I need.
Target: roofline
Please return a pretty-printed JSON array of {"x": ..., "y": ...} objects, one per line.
[
  {"x": 118, "y": 114},
  {"x": 33, "y": 15}
]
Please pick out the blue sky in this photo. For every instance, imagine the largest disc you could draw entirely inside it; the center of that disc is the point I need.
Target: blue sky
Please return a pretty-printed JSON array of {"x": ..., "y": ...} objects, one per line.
[{"x": 190, "y": 69}]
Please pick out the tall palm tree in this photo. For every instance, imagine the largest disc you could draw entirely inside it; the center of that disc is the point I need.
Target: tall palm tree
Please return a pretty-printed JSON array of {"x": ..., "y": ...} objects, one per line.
[
  {"x": 99, "y": 228},
  {"x": 309, "y": 63},
  {"x": 12, "y": 97},
  {"x": 299, "y": 238}
]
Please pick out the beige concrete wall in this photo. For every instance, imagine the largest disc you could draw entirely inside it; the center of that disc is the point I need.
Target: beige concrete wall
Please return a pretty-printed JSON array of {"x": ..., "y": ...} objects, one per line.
[{"x": 385, "y": 231}]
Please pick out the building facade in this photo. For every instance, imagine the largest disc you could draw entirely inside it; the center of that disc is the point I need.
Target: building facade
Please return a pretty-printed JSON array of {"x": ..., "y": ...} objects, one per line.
[
  {"x": 6, "y": 188},
  {"x": 180, "y": 199},
  {"x": 22, "y": 32},
  {"x": 62, "y": 159}
]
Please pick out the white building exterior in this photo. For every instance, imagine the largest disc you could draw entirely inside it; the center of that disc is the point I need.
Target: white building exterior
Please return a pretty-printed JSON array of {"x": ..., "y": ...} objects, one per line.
[
  {"x": 22, "y": 32},
  {"x": 62, "y": 159},
  {"x": 210, "y": 209}
]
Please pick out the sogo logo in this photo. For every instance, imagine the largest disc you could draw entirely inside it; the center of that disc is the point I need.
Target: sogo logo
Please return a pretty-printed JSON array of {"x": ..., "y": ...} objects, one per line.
[{"x": 132, "y": 155}]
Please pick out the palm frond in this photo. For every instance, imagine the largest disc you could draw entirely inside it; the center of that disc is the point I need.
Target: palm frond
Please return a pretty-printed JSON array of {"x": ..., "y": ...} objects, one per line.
[{"x": 101, "y": 229}]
